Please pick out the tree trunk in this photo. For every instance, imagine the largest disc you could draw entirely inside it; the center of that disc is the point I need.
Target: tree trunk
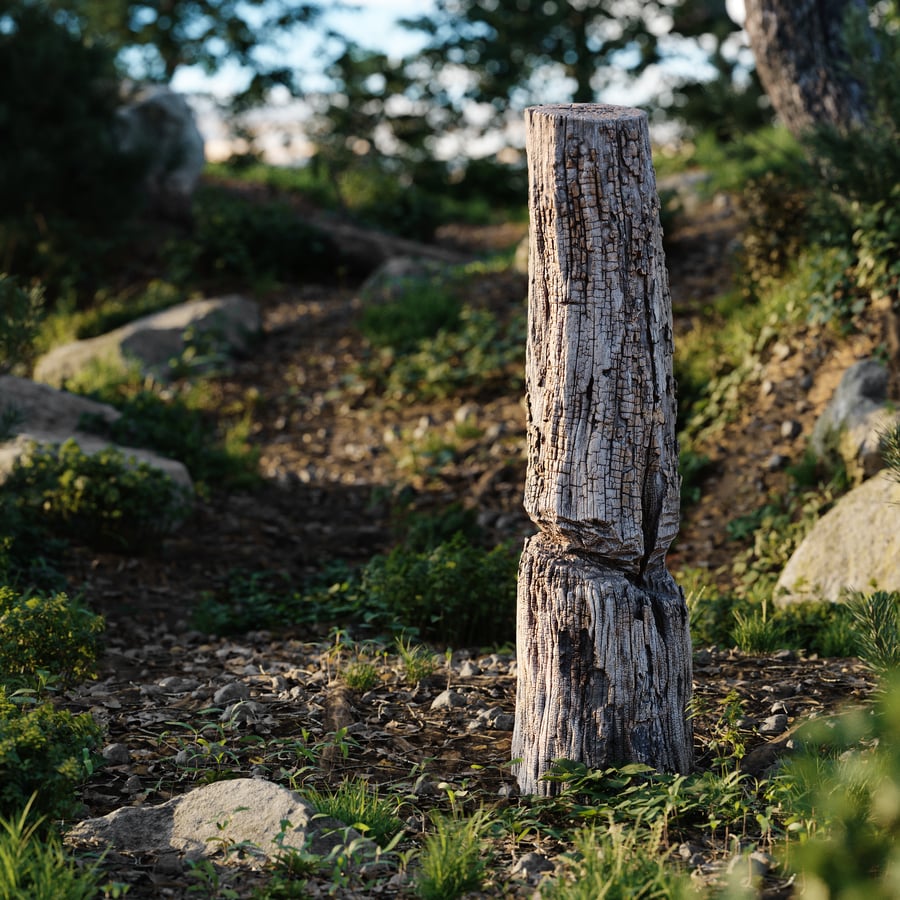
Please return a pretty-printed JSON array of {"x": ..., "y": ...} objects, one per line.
[
  {"x": 604, "y": 653},
  {"x": 801, "y": 61}
]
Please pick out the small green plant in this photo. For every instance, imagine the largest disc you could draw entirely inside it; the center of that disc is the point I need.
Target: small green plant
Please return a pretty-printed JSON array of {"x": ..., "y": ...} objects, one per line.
[
  {"x": 418, "y": 661},
  {"x": 842, "y": 795},
  {"x": 356, "y": 803},
  {"x": 453, "y": 859},
  {"x": 181, "y": 425},
  {"x": 102, "y": 499},
  {"x": 616, "y": 863},
  {"x": 876, "y": 620},
  {"x": 45, "y": 752},
  {"x": 890, "y": 450},
  {"x": 19, "y": 323},
  {"x": 34, "y": 865},
  {"x": 50, "y": 633},
  {"x": 361, "y": 675},
  {"x": 756, "y": 632},
  {"x": 251, "y": 600}
]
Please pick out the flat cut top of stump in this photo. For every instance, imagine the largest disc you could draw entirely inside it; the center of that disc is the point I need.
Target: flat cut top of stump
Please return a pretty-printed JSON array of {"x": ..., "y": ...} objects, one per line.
[{"x": 589, "y": 111}]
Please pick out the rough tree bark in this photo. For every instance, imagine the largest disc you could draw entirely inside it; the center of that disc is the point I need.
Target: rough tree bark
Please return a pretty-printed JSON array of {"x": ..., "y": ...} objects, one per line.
[
  {"x": 801, "y": 60},
  {"x": 604, "y": 654}
]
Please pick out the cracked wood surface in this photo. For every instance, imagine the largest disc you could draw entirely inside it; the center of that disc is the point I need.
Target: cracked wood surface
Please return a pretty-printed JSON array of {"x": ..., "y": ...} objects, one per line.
[{"x": 603, "y": 643}]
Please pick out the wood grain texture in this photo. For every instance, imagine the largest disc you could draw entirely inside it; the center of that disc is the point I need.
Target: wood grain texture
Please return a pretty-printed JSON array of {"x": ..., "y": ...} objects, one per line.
[{"x": 603, "y": 644}]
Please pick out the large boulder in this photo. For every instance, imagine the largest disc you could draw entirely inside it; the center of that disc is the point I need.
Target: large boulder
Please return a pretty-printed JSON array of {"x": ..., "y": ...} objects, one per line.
[
  {"x": 220, "y": 325},
  {"x": 855, "y": 419},
  {"x": 854, "y": 546},
  {"x": 159, "y": 125},
  {"x": 260, "y": 816},
  {"x": 41, "y": 414}
]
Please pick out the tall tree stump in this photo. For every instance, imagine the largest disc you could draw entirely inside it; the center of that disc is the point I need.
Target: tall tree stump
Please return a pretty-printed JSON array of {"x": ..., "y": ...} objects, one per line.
[{"x": 604, "y": 653}]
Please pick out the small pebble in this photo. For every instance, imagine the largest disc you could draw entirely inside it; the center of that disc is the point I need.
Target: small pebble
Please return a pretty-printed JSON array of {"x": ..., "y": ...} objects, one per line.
[
  {"x": 774, "y": 725},
  {"x": 790, "y": 429},
  {"x": 237, "y": 690},
  {"x": 116, "y": 754},
  {"x": 447, "y": 700}
]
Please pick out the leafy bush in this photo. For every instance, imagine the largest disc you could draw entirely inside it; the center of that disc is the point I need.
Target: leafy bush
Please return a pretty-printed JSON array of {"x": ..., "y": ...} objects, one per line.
[
  {"x": 45, "y": 752},
  {"x": 236, "y": 239},
  {"x": 56, "y": 634},
  {"x": 102, "y": 499},
  {"x": 455, "y": 593}
]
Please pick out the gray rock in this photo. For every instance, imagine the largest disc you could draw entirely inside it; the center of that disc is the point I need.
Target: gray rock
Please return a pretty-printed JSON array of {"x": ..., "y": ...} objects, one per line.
[
  {"x": 447, "y": 700},
  {"x": 774, "y": 725},
  {"x": 854, "y": 420},
  {"x": 854, "y": 546},
  {"x": 236, "y": 690},
  {"x": 530, "y": 867},
  {"x": 49, "y": 417},
  {"x": 154, "y": 341},
  {"x": 159, "y": 124},
  {"x": 469, "y": 669},
  {"x": 198, "y": 823},
  {"x": 116, "y": 754}
]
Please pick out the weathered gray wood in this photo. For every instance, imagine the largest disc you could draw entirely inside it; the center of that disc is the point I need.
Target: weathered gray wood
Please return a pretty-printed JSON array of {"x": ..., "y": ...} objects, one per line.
[{"x": 604, "y": 655}]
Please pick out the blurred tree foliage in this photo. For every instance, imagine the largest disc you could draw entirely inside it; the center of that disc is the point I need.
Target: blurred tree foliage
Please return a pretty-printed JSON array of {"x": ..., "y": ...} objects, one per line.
[
  {"x": 154, "y": 38},
  {"x": 64, "y": 185}
]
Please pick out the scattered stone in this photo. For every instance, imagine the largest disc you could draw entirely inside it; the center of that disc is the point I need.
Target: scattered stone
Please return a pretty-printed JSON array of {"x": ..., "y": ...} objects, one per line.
[
  {"x": 116, "y": 754},
  {"x": 177, "y": 684},
  {"x": 791, "y": 429},
  {"x": 160, "y": 124},
  {"x": 469, "y": 669},
  {"x": 530, "y": 867},
  {"x": 235, "y": 690},
  {"x": 133, "y": 784},
  {"x": 755, "y": 865},
  {"x": 774, "y": 725},
  {"x": 247, "y": 811},
  {"x": 777, "y": 461},
  {"x": 447, "y": 700},
  {"x": 854, "y": 546}
]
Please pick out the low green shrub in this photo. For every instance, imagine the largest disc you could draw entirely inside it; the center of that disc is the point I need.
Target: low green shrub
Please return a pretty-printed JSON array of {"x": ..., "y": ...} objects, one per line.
[
  {"x": 19, "y": 323},
  {"x": 418, "y": 310},
  {"x": 44, "y": 752},
  {"x": 455, "y": 593},
  {"x": 237, "y": 239},
  {"x": 50, "y": 633},
  {"x": 102, "y": 500},
  {"x": 251, "y": 600}
]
